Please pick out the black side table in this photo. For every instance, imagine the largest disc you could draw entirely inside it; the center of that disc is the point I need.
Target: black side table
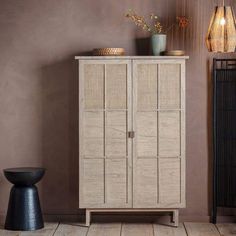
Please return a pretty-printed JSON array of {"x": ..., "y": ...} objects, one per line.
[{"x": 24, "y": 212}]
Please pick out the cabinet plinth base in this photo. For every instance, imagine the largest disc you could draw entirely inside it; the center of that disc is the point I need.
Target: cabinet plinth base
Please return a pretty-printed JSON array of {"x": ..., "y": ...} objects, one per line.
[{"x": 174, "y": 218}]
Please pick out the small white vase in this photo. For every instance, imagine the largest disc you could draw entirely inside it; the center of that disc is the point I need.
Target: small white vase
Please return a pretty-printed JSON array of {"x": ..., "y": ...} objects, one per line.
[{"x": 158, "y": 42}]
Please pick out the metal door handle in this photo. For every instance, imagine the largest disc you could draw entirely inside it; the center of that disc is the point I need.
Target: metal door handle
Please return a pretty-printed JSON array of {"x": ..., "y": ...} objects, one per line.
[{"x": 131, "y": 134}]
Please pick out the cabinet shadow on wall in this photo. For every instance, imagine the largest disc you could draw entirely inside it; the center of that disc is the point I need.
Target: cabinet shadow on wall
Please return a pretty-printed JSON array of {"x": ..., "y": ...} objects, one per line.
[
  {"x": 143, "y": 46},
  {"x": 59, "y": 83}
]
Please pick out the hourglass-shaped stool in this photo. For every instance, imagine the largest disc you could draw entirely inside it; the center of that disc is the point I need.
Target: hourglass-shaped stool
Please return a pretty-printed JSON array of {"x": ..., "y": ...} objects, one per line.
[{"x": 24, "y": 211}]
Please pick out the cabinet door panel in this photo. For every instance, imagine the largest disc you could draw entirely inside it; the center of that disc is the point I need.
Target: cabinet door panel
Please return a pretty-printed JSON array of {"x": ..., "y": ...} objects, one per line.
[
  {"x": 94, "y": 86},
  {"x": 104, "y": 148},
  {"x": 169, "y": 133},
  {"x": 116, "y": 134},
  {"x": 169, "y": 94},
  {"x": 93, "y": 134},
  {"x": 146, "y": 134},
  {"x": 116, "y": 86},
  {"x": 170, "y": 185},
  {"x": 117, "y": 182},
  {"x": 92, "y": 187},
  {"x": 145, "y": 183},
  {"x": 159, "y": 161},
  {"x": 147, "y": 86}
]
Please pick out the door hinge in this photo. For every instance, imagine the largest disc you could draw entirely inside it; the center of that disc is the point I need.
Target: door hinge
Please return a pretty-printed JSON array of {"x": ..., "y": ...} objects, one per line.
[{"x": 131, "y": 134}]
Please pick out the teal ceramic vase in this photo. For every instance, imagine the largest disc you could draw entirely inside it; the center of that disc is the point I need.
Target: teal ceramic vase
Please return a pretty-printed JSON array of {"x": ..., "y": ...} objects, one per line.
[{"x": 158, "y": 42}]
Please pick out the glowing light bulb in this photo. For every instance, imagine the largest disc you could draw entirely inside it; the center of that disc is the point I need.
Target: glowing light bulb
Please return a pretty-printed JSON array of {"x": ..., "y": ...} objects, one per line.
[{"x": 222, "y": 21}]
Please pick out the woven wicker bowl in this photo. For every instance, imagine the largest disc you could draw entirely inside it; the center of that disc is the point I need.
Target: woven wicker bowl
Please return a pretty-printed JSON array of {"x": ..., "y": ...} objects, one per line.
[{"x": 108, "y": 51}]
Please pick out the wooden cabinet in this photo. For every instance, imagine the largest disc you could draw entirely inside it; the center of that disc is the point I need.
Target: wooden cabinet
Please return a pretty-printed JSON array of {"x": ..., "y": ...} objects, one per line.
[{"x": 132, "y": 134}]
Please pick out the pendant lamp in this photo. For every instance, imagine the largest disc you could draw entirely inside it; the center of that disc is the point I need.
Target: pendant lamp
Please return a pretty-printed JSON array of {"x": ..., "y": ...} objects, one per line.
[{"x": 221, "y": 36}]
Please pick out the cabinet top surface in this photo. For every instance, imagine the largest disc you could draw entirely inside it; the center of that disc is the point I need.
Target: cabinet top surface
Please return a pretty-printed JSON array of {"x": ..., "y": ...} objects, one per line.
[{"x": 131, "y": 57}]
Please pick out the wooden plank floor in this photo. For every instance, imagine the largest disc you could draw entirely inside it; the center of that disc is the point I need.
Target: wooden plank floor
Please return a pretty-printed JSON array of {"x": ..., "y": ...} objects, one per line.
[{"x": 119, "y": 229}]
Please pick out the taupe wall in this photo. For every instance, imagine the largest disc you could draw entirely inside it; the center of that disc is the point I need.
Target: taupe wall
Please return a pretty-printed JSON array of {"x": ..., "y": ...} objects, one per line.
[{"x": 38, "y": 88}]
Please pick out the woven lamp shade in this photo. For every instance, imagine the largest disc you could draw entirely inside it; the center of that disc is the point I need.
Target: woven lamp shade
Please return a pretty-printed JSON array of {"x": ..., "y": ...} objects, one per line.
[{"x": 221, "y": 36}]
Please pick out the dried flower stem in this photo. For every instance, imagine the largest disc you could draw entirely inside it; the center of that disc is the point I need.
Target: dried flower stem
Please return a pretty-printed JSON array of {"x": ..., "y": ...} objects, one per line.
[
  {"x": 139, "y": 21},
  {"x": 156, "y": 26}
]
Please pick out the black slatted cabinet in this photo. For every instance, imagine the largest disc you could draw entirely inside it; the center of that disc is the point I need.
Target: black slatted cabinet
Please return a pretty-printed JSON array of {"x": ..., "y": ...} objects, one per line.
[{"x": 224, "y": 134}]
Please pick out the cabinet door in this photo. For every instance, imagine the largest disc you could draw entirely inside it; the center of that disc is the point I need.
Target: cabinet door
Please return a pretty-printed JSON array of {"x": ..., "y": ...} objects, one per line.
[
  {"x": 104, "y": 147},
  {"x": 159, "y": 144}
]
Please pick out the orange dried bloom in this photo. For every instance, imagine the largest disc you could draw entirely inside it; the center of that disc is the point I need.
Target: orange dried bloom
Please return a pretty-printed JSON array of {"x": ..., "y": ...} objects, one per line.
[{"x": 182, "y": 21}]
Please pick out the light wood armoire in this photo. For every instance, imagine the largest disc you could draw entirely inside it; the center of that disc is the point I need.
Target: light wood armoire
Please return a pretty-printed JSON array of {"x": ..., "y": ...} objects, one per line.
[{"x": 132, "y": 134}]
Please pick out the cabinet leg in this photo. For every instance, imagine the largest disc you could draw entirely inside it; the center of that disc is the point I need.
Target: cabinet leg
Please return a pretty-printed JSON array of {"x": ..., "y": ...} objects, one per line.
[
  {"x": 175, "y": 218},
  {"x": 88, "y": 217}
]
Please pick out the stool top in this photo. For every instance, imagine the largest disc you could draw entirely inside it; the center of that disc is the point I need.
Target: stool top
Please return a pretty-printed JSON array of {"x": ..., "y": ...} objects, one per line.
[
  {"x": 24, "y": 169},
  {"x": 24, "y": 176}
]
